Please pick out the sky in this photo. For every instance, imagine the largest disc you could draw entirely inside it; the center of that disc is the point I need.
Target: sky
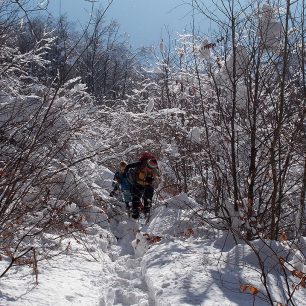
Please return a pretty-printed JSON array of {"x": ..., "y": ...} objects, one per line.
[{"x": 145, "y": 21}]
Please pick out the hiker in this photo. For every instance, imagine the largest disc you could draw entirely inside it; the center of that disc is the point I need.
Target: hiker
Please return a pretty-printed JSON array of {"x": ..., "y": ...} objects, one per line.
[
  {"x": 121, "y": 182},
  {"x": 142, "y": 175}
]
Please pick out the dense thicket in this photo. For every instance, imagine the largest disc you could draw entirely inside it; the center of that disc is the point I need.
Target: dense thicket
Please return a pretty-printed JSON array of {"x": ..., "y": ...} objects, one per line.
[{"x": 225, "y": 116}]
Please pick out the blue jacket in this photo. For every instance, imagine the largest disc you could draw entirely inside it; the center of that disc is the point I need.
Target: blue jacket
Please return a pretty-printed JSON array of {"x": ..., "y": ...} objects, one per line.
[{"x": 122, "y": 180}]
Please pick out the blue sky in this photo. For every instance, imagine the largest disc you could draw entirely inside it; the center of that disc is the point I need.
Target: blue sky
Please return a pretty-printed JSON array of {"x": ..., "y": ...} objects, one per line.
[{"x": 146, "y": 21}]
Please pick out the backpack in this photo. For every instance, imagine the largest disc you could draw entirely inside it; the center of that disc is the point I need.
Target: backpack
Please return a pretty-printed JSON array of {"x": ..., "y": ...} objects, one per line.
[{"x": 144, "y": 176}]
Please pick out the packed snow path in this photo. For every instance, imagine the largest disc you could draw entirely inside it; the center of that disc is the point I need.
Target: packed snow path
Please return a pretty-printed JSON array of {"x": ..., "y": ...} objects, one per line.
[
  {"x": 192, "y": 265},
  {"x": 126, "y": 285}
]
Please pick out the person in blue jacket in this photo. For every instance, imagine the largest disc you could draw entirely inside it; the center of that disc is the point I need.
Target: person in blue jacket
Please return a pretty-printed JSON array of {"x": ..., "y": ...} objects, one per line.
[{"x": 121, "y": 182}]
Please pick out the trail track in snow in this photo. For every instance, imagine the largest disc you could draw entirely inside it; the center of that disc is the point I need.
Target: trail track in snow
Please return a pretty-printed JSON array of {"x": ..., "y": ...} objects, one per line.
[{"x": 127, "y": 286}]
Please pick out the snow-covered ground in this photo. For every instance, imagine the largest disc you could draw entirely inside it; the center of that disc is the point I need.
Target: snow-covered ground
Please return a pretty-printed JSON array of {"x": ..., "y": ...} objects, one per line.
[{"x": 173, "y": 260}]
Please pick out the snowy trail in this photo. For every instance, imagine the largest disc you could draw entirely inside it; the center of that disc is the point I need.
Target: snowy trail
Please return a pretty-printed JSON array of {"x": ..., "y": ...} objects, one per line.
[
  {"x": 126, "y": 286},
  {"x": 206, "y": 268},
  {"x": 76, "y": 279}
]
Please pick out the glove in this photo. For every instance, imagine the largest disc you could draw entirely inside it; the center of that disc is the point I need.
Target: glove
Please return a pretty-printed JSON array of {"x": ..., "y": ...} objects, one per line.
[{"x": 112, "y": 193}]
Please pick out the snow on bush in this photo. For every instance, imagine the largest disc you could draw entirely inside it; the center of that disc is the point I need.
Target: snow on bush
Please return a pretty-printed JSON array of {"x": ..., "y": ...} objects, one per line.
[{"x": 270, "y": 30}]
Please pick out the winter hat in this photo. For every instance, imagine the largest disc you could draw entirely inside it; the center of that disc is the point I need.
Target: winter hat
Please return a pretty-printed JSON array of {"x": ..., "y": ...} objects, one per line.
[
  {"x": 122, "y": 164},
  {"x": 152, "y": 163}
]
